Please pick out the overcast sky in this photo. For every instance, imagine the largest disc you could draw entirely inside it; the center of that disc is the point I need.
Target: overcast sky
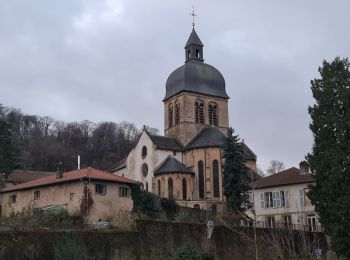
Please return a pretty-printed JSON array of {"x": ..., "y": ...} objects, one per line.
[{"x": 108, "y": 60}]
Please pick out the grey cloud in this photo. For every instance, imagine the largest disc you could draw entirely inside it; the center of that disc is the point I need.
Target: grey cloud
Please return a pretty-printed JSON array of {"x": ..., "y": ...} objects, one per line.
[{"x": 109, "y": 60}]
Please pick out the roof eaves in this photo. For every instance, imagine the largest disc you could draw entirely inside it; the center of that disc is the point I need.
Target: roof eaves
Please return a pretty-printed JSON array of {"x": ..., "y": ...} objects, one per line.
[{"x": 282, "y": 184}]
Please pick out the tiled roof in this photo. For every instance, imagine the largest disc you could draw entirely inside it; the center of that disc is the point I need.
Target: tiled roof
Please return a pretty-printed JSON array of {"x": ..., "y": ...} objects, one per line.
[
  {"x": 287, "y": 177},
  {"x": 20, "y": 176},
  {"x": 165, "y": 143},
  {"x": 172, "y": 165},
  {"x": 77, "y": 175}
]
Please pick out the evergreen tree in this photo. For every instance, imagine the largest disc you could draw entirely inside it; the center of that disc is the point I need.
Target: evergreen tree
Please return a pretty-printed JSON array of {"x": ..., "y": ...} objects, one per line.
[
  {"x": 235, "y": 178},
  {"x": 8, "y": 151},
  {"x": 330, "y": 157}
]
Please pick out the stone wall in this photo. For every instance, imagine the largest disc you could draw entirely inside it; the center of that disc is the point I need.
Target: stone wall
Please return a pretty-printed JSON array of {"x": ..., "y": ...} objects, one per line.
[{"x": 150, "y": 240}]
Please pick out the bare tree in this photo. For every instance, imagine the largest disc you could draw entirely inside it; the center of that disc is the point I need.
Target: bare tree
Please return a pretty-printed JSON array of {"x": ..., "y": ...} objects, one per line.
[{"x": 275, "y": 167}]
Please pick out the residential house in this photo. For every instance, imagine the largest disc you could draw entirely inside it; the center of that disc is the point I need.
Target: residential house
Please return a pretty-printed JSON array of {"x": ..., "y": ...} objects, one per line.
[
  {"x": 91, "y": 192},
  {"x": 280, "y": 200}
]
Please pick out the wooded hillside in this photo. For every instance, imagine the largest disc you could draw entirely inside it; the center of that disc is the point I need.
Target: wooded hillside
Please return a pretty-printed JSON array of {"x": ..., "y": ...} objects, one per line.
[{"x": 43, "y": 141}]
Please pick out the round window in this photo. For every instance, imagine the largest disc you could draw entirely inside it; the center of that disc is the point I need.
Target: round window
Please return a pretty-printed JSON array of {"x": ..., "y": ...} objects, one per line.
[{"x": 144, "y": 169}]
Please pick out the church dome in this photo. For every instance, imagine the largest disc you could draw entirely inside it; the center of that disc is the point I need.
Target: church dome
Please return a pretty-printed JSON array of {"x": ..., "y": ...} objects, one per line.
[{"x": 195, "y": 76}]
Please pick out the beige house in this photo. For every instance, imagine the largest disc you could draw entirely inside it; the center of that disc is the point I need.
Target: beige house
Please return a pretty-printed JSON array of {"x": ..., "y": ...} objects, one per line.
[
  {"x": 93, "y": 193},
  {"x": 185, "y": 164},
  {"x": 280, "y": 200}
]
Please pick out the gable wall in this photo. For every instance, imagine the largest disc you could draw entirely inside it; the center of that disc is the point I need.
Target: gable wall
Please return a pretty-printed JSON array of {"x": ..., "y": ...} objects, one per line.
[{"x": 153, "y": 159}]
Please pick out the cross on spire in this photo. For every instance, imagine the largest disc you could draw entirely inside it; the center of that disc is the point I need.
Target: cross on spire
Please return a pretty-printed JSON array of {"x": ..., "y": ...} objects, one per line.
[{"x": 193, "y": 15}]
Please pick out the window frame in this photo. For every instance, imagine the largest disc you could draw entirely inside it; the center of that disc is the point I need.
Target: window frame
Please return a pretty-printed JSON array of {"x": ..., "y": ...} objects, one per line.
[
  {"x": 177, "y": 113},
  {"x": 144, "y": 170},
  {"x": 37, "y": 195},
  {"x": 100, "y": 189},
  {"x": 213, "y": 114},
  {"x": 199, "y": 111},
  {"x": 13, "y": 199},
  {"x": 124, "y": 192},
  {"x": 144, "y": 152}
]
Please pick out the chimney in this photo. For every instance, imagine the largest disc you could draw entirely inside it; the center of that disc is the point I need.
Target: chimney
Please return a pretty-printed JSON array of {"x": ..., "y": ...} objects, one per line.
[
  {"x": 59, "y": 171},
  {"x": 78, "y": 162},
  {"x": 304, "y": 167}
]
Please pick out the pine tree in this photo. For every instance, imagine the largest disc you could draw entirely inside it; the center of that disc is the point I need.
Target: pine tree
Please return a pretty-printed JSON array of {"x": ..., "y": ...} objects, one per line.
[
  {"x": 8, "y": 151},
  {"x": 330, "y": 157},
  {"x": 234, "y": 173}
]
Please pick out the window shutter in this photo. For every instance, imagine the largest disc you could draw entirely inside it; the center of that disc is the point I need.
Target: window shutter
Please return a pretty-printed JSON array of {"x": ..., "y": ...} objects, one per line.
[
  {"x": 262, "y": 200},
  {"x": 278, "y": 199},
  {"x": 302, "y": 200},
  {"x": 286, "y": 198},
  {"x": 274, "y": 202}
]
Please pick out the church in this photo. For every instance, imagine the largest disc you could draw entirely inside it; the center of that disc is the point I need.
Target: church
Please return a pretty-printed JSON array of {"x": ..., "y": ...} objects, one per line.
[{"x": 186, "y": 163}]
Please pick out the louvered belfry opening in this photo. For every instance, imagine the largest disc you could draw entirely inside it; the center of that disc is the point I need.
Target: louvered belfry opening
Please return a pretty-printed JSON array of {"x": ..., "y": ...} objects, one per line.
[
  {"x": 177, "y": 113},
  {"x": 199, "y": 118},
  {"x": 213, "y": 116},
  {"x": 170, "y": 115}
]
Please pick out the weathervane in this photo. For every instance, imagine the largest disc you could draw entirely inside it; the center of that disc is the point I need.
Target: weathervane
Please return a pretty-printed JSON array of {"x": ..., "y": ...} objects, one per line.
[{"x": 193, "y": 15}]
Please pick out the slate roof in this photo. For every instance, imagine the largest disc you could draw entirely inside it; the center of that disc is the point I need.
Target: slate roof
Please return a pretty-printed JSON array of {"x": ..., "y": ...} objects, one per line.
[
  {"x": 77, "y": 175},
  {"x": 286, "y": 177},
  {"x": 166, "y": 143},
  {"x": 196, "y": 77},
  {"x": 172, "y": 165},
  {"x": 120, "y": 165},
  {"x": 194, "y": 39},
  {"x": 252, "y": 175},
  {"x": 248, "y": 154},
  {"x": 212, "y": 137},
  {"x": 20, "y": 176},
  {"x": 207, "y": 137}
]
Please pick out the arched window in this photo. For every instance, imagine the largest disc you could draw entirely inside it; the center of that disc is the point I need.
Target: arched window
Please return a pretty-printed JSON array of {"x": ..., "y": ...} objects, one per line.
[
  {"x": 198, "y": 111},
  {"x": 170, "y": 115},
  {"x": 216, "y": 179},
  {"x": 177, "y": 113},
  {"x": 184, "y": 189},
  {"x": 146, "y": 186},
  {"x": 213, "y": 115},
  {"x": 144, "y": 152},
  {"x": 159, "y": 188},
  {"x": 144, "y": 169},
  {"x": 170, "y": 188},
  {"x": 201, "y": 179}
]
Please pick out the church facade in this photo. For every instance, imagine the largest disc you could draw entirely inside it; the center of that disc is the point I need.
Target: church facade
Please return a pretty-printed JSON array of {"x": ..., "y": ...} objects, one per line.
[{"x": 185, "y": 164}]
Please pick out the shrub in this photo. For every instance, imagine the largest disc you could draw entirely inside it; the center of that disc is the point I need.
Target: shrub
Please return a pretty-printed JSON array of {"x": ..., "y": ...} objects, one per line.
[
  {"x": 190, "y": 252},
  {"x": 70, "y": 248}
]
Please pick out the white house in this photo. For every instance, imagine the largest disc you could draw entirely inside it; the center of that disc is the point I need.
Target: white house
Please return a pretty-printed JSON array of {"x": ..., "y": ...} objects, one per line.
[{"x": 280, "y": 200}]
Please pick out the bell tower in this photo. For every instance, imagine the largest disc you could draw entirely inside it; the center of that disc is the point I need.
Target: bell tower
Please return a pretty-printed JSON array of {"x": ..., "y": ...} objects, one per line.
[{"x": 195, "y": 96}]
